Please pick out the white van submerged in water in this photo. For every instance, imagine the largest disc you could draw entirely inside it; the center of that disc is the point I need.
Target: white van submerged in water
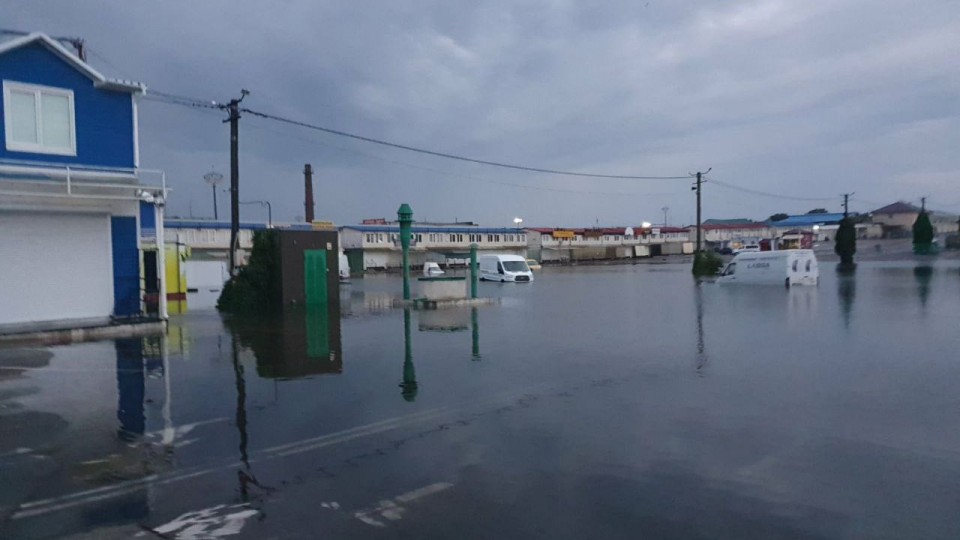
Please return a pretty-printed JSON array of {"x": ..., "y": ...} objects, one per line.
[
  {"x": 504, "y": 268},
  {"x": 788, "y": 267}
]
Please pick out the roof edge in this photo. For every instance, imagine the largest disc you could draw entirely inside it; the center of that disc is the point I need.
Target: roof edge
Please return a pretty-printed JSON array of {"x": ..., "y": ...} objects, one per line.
[{"x": 57, "y": 48}]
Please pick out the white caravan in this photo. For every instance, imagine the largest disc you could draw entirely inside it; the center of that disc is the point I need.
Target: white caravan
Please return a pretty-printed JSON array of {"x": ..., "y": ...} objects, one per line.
[
  {"x": 786, "y": 267},
  {"x": 504, "y": 268}
]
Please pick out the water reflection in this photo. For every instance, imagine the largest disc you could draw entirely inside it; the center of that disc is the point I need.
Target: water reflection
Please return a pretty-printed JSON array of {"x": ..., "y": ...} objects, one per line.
[
  {"x": 130, "y": 389},
  {"x": 702, "y": 357},
  {"x": 294, "y": 345},
  {"x": 476, "y": 334},
  {"x": 923, "y": 276},
  {"x": 409, "y": 384},
  {"x": 847, "y": 291}
]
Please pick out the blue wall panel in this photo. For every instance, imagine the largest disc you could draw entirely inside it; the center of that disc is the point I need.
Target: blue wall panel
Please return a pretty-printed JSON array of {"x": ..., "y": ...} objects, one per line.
[
  {"x": 126, "y": 266},
  {"x": 104, "y": 118}
]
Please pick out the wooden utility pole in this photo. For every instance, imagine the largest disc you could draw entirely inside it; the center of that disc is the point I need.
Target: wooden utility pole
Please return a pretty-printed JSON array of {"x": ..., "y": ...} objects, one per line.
[
  {"x": 846, "y": 202},
  {"x": 696, "y": 188},
  {"x": 233, "y": 109}
]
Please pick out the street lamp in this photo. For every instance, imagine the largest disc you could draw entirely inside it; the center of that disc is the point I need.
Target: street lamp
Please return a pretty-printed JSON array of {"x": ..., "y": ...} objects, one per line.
[
  {"x": 213, "y": 178},
  {"x": 665, "y": 210},
  {"x": 263, "y": 204}
]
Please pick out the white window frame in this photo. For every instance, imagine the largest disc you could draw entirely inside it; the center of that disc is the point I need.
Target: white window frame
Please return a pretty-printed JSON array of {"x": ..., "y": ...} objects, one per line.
[{"x": 38, "y": 90}]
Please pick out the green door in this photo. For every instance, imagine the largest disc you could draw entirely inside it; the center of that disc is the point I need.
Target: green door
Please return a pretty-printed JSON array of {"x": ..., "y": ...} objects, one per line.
[{"x": 315, "y": 277}]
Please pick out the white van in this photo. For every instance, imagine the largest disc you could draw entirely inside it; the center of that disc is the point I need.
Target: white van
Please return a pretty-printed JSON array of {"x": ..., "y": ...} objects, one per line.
[
  {"x": 504, "y": 268},
  {"x": 787, "y": 267}
]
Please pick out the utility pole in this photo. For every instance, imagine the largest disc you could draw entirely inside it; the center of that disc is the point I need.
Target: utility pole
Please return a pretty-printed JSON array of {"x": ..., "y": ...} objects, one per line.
[
  {"x": 923, "y": 204},
  {"x": 846, "y": 202},
  {"x": 233, "y": 109},
  {"x": 696, "y": 188},
  {"x": 665, "y": 210}
]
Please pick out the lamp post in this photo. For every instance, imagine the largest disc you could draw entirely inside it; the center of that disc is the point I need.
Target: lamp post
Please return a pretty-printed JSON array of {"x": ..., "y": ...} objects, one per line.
[
  {"x": 263, "y": 204},
  {"x": 213, "y": 178},
  {"x": 665, "y": 209},
  {"x": 405, "y": 217}
]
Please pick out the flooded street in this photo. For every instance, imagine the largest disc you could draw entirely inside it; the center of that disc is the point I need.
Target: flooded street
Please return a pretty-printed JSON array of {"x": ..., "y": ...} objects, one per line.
[{"x": 609, "y": 402}]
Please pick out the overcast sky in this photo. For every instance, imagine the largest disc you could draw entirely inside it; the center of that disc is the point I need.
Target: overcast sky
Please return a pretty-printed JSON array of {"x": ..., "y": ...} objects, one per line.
[{"x": 804, "y": 98}]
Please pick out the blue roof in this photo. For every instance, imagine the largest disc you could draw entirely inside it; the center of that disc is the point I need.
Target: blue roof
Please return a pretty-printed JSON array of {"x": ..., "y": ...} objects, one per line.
[
  {"x": 435, "y": 229},
  {"x": 807, "y": 219},
  {"x": 205, "y": 224}
]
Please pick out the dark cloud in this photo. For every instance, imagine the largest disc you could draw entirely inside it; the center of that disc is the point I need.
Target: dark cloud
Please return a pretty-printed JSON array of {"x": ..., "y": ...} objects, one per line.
[{"x": 806, "y": 98}]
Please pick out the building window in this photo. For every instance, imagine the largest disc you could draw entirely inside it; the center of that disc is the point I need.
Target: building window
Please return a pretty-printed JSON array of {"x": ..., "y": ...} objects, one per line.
[
  {"x": 39, "y": 119},
  {"x": 496, "y": 238},
  {"x": 453, "y": 238},
  {"x": 419, "y": 238},
  {"x": 489, "y": 238}
]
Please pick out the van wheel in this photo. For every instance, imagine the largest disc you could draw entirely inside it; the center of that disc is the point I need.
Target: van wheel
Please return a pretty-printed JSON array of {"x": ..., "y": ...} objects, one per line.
[
  {"x": 787, "y": 283},
  {"x": 502, "y": 280}
]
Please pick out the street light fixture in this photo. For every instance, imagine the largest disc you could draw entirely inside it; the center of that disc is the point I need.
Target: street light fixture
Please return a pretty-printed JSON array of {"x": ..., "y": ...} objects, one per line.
[
  {"x": 263, "y": 204},
  {"x": 213, "y": 178}
]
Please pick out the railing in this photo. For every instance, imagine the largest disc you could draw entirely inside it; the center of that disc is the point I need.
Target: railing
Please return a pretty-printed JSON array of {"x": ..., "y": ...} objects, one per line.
[{"x": 109, "y": 183}]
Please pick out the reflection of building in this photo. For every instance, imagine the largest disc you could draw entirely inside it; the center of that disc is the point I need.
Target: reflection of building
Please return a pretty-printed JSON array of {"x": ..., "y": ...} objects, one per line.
[{"x": 70, "y": 190}]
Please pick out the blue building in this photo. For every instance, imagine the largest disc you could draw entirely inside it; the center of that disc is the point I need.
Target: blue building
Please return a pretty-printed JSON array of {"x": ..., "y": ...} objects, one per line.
[{"x": 73, "y": 207}]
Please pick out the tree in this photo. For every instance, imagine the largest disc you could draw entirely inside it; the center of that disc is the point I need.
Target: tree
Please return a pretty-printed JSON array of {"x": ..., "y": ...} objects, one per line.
[
  {"x": 817, "y": 211},
  {"x": 922, "y": 233},
  {"x": 846, "y": 243},
  {"x": 778, "y": 217}
]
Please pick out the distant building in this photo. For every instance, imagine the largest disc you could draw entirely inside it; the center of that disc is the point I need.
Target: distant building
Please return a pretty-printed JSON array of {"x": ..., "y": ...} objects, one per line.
[
  {"x": 71, "y": 197},
  {"x": 721, "y": 232},
  {"x": 377, "y": 246},
  {"x": 559, "y": 244},
  {"x": 897, "y": 220},
  {"x": 823, "y": 226}
]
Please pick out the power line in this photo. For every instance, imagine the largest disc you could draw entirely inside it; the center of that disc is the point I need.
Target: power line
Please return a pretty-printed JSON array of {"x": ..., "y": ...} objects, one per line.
[
  {"x": 460, "y": 175},
  {"x": 766, "y": 193},
  {"x": 192, "y": 102},
  {"x": 452, "y": 156}
]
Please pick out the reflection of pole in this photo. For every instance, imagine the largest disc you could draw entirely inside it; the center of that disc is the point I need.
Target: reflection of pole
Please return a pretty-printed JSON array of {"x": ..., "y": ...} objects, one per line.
[
  {"x": 405, "y": 217},
  {"x": 701, "y": 346},
  {"x": 168, "y": 431},
  {"x": 409, "y": 384},
  {"x": 241, "y": 417},
  {"x": 476, "y": 333},
  {"x": 473, "y": 272}
]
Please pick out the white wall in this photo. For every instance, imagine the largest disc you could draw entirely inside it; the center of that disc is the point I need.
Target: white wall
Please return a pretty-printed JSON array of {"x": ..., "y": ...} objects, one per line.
[{"x": 54, "y": 266}]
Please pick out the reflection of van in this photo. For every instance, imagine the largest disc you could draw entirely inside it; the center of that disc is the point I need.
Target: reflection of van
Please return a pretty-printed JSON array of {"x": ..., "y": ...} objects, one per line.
[
  {"x": 789, "y": 267},
  {"x": 504, "y": 268}
]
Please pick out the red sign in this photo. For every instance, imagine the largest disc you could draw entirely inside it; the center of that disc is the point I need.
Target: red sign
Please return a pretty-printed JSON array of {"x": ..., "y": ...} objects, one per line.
[{"x": 374, "y": 221}]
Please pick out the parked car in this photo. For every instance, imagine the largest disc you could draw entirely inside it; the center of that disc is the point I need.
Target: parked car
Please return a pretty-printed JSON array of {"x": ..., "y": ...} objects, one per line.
[{"x": 533, "y": 264}]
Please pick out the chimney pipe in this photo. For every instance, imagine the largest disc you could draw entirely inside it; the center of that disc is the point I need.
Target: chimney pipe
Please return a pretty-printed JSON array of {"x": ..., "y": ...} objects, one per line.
[{"x": 308, "y": 192}]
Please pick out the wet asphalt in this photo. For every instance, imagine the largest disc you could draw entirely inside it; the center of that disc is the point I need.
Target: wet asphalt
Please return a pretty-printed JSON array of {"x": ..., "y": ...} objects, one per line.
[{"x": 610, "y": 402}]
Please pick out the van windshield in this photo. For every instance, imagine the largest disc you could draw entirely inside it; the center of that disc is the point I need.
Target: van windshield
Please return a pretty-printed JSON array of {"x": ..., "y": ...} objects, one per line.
[{"x": 515, "y": 266}]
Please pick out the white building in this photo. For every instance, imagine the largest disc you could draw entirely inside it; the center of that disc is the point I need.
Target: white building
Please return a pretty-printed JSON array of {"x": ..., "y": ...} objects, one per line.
[{"x": 378, "y": 246}]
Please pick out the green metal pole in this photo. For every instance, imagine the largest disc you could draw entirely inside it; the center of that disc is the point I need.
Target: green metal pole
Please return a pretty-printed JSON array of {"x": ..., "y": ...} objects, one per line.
[
  {"x": 473, "y": 270},
  {"x": 405, "y": 217}
]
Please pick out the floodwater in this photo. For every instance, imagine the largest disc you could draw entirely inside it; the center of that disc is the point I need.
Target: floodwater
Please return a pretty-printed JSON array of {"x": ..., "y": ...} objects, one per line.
[{"x": 596, "y": 402}]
